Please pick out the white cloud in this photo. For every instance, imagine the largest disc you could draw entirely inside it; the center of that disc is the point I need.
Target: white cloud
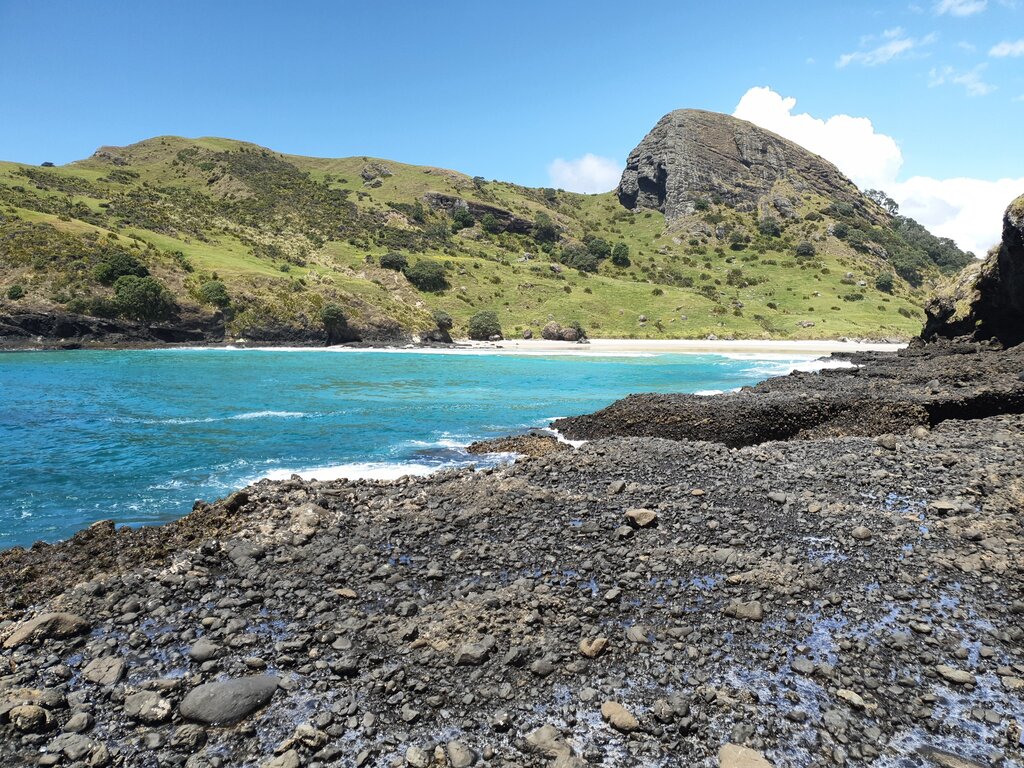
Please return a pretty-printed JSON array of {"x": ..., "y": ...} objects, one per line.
[
  {"x": 960, "y": 7},
  {"x": 589, "y": 173},
  {"x": 1008, "y": 48},
  {"x": 871, "y": 159},
  {"x": 967, "y": 210},
  {"x": 970, "y": 79},
  {"x": 894, "y": 44}
]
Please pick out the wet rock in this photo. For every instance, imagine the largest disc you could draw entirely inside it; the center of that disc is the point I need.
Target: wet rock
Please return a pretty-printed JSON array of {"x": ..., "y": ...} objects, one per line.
[
  {"x": 45, "y": 627},
  {"x": 188, "y": 738},
  {"x": 228, "y": 701},
  {"x": 147, "y": 707},
  {"x": 106, "y": 670},
  {"x": 203, "y": 650},
  {"x": 78, "y": 723},
  {"x": 944, "y": 759}
]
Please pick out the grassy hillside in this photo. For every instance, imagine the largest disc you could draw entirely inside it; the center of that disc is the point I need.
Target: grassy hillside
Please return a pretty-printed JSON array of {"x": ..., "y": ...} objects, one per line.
[{"x": 271, "y": 239}]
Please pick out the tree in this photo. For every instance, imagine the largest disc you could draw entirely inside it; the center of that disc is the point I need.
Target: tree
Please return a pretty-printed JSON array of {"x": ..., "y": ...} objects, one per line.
[
  {"x": 427, "y": 276},
  {"x": 620, "y": 255},
  {"x": 395, "y": 261},
  {"x": 484, "y": 325},
  {"x": 335, "y": 322},
  {"x": 214, "y": 292},
  {"x": 142, "y": 298},
  {"x": 579, "y": 257},
  {"x": 884, "y": 282},
  {"x": 544, "y": 230},
  {"x": 118, "y": 264},
  {"x": 443, "y": 319},
  {"x": 598, "y": 247},
  {"x": 891, "y": 207}
]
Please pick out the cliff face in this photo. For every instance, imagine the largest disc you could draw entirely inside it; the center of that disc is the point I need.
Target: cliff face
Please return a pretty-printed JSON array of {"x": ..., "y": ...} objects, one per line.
[
  {"x": 693, "y": 155},
  {"x": 986, "y": 300}
]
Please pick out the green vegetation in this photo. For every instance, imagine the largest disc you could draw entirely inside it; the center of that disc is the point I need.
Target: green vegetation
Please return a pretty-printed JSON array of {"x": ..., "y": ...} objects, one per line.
[
  {"x": 215, "y": 293},
  {"x": 277, "y": 239},
  {"x": 15, "y": 292},
  {"x": 335, "y": 322},
  {"x": 427, "y": 276},
  {"x": 443, "y": 320},
  {"x": 484, "y": 325},
  {"x": 142, "y": 298}
]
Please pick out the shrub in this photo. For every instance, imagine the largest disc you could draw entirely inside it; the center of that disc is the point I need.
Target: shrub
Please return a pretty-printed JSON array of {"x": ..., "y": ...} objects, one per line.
[
  {"x": 769, "y": 227},
  {"x": 599, "y": 247},
  {"x": 491, "y": 224},
  {"x": 885, "y": 283},
  {"x": 579, "y": 257},
  {"x": 214, "y": 292},
  {"x": 806, "y": 250},
  {"x": 395, "y": 261},
  {"x": 620, "y": 255},
  {"x": 427, "y": 276},
  {"x": 118, "y": 264},
  {"x": 15, "y": 292},
  {"x": 142, "y": 298},
  {"x": 443, "y": 319},
  {"x": 462, "y": 218},
  {"x": 544, "y": 230},
  {"x": 335, "y": 322},
  {"x": 852, "y": 297},
  {"x": 484, "y": 325}
]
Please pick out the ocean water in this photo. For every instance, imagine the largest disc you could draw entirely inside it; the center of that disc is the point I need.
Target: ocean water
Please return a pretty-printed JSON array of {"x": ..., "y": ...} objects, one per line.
[{"x": 138, "y": 436}]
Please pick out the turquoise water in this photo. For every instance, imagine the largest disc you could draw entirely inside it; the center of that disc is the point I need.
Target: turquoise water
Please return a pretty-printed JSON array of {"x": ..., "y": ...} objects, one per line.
[{"x": 137, "y": 436}]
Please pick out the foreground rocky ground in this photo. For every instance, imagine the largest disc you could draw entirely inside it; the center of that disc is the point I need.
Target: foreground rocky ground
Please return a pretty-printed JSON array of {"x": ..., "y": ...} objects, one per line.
[{"x": 635, "y": 601}]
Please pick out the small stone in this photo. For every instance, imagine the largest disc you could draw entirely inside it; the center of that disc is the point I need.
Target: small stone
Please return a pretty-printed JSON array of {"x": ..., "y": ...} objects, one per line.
[
  {"x": 778, "y": 497},
  {"x": 204, "y": 649},
  {"x": 735, "y": 756},
  {"x": 861, "y": 533},
  {"x": 416, "y": 757},
  {"x": 147, "y": 707},
  {"x": 639, "y": 634},
  {"x": 106, "y": 670},
  {"x": 459, "y": 755},
  {"x": 616, "y": 487},
  {"x": 852, "y": 698},
  {"x": 748, "y": 610},
  {"x": 619, "y": 717},
  {"x": 956, "y": 676},
  {"x": 886, "y": 441},
  {"x": 188, "y": 738},
  {"x": 641, "y": 517},
  {"x": 289, "y": 759},
  {"x": 548, "y": 741},
  {"x": 78, "y": 723},
  {"x": 474, "y": 654},
  {"x": 29, "y": 718},
  {"x": 592, "y": 647}
]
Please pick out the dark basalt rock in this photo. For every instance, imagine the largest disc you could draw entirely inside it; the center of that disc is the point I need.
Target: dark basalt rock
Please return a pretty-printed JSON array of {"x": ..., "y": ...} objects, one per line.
[
  {"x": 448, "y": 203},
  {"x": 67, "y": 330},
  {"x": 986, "y": 300},
  {"x": 693, "y": 155}
]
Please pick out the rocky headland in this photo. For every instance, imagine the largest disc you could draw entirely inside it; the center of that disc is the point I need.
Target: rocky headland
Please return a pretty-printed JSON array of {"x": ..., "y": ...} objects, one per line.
[{"x": 694, "y": 586}]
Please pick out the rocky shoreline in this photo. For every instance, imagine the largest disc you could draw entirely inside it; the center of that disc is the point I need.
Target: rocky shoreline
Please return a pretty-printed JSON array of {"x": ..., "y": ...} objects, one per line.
[{"x": 820, "y": 599}]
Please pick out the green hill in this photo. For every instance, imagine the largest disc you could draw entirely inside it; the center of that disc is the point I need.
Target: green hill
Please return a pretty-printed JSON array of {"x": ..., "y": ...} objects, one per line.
[{"x": 202, "y": 226}]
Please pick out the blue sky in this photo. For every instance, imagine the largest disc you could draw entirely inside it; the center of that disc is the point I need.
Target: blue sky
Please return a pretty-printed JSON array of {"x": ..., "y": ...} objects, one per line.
[{"x": 503, "y": 90}]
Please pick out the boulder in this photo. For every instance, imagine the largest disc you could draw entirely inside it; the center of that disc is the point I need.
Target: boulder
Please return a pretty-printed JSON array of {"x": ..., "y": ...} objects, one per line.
[
  {"x": 735, "y": 756},
  {"x": 228, "y": 701},
  {"x": 986, "y": 300},
  {"x": 45, "y": 627}
]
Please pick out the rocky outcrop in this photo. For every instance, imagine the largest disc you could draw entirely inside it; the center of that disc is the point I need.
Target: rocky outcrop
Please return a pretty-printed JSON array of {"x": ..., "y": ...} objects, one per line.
[
  {"x": 531, "y": 444},
  {"x": 64, "y": 329},
  {"x": 986, "y": 300},
  {"x": 692, "y": 155},
  {"x": 448, "y": 203},
  {"x": 922, "y": 386}
]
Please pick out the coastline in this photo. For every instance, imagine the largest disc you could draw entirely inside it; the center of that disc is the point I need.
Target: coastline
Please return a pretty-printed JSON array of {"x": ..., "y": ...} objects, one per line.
[{"x": 543, "y": 347}]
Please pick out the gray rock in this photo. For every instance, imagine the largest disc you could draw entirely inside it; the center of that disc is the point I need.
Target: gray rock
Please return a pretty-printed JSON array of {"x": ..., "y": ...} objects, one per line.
[
  {"x": 204, "y": 649},
  {"x": 46, "y": 627},
  {"x": 106, "y": 670},
  {"x": 147, "y": 707},
  {"x": 228, "y": 701}
]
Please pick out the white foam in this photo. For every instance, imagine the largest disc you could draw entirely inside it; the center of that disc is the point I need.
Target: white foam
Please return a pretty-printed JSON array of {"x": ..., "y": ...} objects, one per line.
[{"x": 370, "y": 470}]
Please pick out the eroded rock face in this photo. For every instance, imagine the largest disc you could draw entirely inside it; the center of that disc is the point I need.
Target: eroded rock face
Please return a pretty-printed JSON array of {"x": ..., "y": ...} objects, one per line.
[
  {"x": 692, "y": 155},
  {"x": 986, "y": 300}
]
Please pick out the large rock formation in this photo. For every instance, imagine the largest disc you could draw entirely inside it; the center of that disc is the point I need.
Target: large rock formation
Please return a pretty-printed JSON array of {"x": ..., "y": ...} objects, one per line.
[
  {"x": 986, "y": 300},
  {"x": 692, "y": 155}
]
